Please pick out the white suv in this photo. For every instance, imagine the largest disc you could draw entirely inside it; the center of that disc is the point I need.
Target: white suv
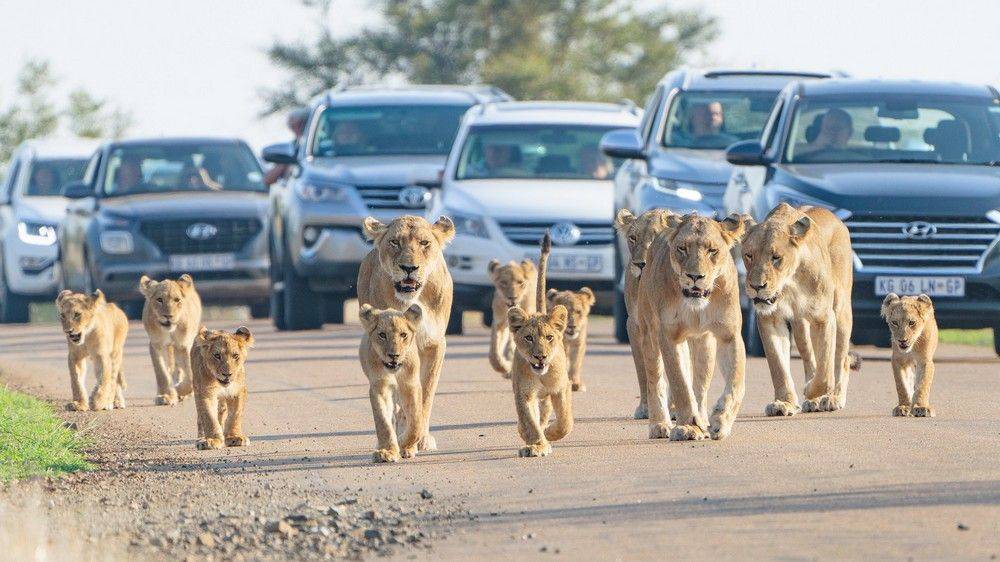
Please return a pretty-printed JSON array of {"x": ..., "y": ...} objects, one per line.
[
  {"x": 518, "y": 169},
  {"x": 31, "y": 208}
]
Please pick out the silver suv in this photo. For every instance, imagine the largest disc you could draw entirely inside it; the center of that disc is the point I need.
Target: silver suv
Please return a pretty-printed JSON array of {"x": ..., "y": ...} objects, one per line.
[{"x": 366, "y": 151}]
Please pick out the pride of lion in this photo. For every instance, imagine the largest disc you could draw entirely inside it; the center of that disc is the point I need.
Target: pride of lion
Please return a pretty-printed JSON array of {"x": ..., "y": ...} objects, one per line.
[{"x": 682, "y": 295}]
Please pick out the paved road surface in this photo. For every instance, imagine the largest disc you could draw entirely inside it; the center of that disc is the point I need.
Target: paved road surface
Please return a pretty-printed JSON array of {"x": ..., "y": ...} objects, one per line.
[{"x": 856, "y": 483}]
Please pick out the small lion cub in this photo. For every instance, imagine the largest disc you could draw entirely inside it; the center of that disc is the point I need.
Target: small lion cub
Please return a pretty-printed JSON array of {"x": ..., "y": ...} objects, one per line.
[
  {"x": 218, "y": 365},
  {"x": 390, "y": 361},
  {"x": 914, "y": 339},
  {"x": 514, "y": 285},
  {"x": 95, "y": 329},
  {"x": 578, "y": 305}
]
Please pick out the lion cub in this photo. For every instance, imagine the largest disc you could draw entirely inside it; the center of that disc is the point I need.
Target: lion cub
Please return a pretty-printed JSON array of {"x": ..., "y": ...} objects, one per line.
[
  {"x": 390, "y": 360},
  {"x": 171, "y": 316},
  {"x": 96, "y": 330},
  {"x": 514, "y": 285},
  {"x": 539, "y": 372},
  {"x": 578, "y": 305},
  {"x": 914, "y": 340},
  {"x": 218, "y": 361}
]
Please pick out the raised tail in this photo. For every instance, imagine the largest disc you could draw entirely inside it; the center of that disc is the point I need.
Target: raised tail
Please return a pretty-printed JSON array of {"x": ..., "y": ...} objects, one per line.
[{"x": 543, "y": 264}]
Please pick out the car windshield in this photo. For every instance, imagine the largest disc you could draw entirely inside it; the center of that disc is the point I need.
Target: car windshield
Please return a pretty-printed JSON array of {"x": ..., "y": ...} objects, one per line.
[
  {"x": 387, "y": 130},
  {"x": 535, "y": 152},
  {"x": 895, "y": 128},
  {"x": 182, "y": 167},
  {"x": 715, "y": 120},
  {"x": 48, "y": 177}
]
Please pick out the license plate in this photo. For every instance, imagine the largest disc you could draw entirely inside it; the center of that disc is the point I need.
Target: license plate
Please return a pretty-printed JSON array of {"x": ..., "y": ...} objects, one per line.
[
  {"x": 202, "y": 262},
  {"x": 932, "y": 286},
  {"x": 570, "y": 263}
]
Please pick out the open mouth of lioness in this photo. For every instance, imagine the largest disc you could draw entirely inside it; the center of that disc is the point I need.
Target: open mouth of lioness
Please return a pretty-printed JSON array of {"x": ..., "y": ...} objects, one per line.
[
  {"x": 165, "y": 323},
  {"x": 760, "y": 301},
  {"x": 696, "y": 293},
  {"x": 408, "y": 285},
  {"x": 391, "y": 365},
  {"x": 538, "y": 367},
  {"x": 75, "y": 337},
  {"x": 224, "y": 380}
]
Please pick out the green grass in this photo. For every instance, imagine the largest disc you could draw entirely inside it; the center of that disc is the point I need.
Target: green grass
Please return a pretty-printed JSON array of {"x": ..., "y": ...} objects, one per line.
[
  {"x": 982, "y": 337},
  {"x": 33, "y": 441}
]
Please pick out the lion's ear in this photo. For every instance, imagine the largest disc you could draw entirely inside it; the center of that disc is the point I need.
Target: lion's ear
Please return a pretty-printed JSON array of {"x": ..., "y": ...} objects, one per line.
[
  {"x": 798, "y": 229},
  {"x": 414, "y": 314},
  {"x": 63, "y": 295},
  {"x": 146, "y": 285},
  {"x": 243, "y": 333},
  {"x": 734, "y": 227},
  {"x": 374, "y": 229},
  {"x": 517, "y": 318},
  {"x": 493, "y": 265},
  {"x": 925, "y": 303},
  {"x": 367, "y": 315},
  {"x": 623, "y": 220},
  {"x": 557, "y": 318},
  {"x": 888, "y": 300},
  {"x": 672, "y": 220},
  {"x": 528, "y": 267},
  {"x": 97, "y": 297},
  {"x": 588, "y": 295},
  {"x": 551, "y": 294},
  {"x": 185, "y": 281},
  {"x": 444, "y": 230}
]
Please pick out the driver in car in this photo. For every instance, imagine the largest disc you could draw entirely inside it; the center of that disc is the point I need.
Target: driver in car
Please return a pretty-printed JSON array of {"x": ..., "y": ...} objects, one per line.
[
  {"x": 44, "y": 181},
  {"x": 496, "y": 159},
  {"x": 834, "y": 131},
  {"x": 349, "y": 138},
  {"x": 128, "y": 176},
  {"x": 705, "y": 125}
]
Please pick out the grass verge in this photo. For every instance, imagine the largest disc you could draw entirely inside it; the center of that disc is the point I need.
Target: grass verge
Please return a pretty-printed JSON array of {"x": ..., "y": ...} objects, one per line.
[
  {"x": 33, "y": 441},
  {"x": 982, "y": 337}
]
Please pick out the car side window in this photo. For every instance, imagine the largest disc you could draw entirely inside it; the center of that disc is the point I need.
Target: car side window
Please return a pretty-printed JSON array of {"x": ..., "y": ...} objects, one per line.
[
  {"x": 91, "y": 173},
  {"x": 11, "y": 179},
  {"x": 649, "y": 115},
  {"x": 771, "y": 129}
]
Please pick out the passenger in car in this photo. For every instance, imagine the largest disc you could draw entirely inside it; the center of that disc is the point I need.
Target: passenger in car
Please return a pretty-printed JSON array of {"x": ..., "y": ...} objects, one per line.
[
  {"x": 44, "y": 181},
  {"x": 835, "y": 130},
  {"x": 595, "y": 164}
]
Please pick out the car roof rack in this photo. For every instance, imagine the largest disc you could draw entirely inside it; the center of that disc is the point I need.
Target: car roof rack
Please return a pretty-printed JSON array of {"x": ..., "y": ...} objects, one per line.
[
  {"x": 722, "y": 73},
  {"x": 475, "y": 91}
]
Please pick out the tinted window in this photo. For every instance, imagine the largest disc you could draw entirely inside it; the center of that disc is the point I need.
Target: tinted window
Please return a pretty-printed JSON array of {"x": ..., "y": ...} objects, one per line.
[
  {"x": 715, "y": 120},
  {"x": 8, "y": 183},
  {"x": 48, "y": 177},
  {"x": 387, "y": 130},
  {"x": 182, "y": 167},
  {"x": 535, "y": 151}
]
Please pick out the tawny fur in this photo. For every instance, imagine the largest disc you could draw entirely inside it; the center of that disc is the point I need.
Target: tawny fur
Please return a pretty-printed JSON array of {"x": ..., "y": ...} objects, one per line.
[
  {"x": 514, "y": 284},
  {"x": 800, "y": 273},
  {"x": 688, "y": 292},
  {"x": 914, "y": 332},
  {"x": 412, "y": 242},
  {"x": 390, "y": 360},
  {"x": 172, "y": 317},
  {"x": 218, "y": 363},
  {"x": 578, "y": 305},
  {"x": 95, "y": 332}
]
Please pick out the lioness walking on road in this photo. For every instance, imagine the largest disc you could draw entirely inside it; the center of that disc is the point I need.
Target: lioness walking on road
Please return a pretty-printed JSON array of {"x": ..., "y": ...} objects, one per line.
[
  {"x": 171, "y": 316},
  {"x": 390, "y": 360},
  {"x": 540, "y": 371},
  {"x": 914, "y": 340},
  {"x": 407, "y": 267},
  {"x": 513, "y": 285},
  {"x": 95, "y": 330},
  {"x": 218, "y": 363}
]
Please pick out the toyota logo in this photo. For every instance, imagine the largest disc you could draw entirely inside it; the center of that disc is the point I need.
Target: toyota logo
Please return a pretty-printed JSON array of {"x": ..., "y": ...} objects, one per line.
[
  {"x": 414, "y": 197},
  {"x": 919, "y": 230},
  {"x": 565, "y": 234},
  {"x": 202, "y": 231}
]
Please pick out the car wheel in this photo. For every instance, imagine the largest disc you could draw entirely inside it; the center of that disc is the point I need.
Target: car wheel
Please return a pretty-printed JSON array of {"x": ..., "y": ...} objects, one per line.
[
  {"x": 260, "y": 310},
  {"x": 751, "y": 337},
  {"x": 455, "y": 327},
  {"x": 277, "y": 296},
  {"x": 488, "y": 317},
  {"x": 14, "y": 308},
  {"x": 996, "y": 340},
  {"x": 303, "y": 307},
  {"x": 335, "y": 309},
  {"x": 621, "y": 317}
]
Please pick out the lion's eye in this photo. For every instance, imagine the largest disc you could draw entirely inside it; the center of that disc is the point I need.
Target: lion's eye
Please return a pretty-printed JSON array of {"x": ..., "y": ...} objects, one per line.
[
  {"x": 159, "y": 300},
  {"x": 776, "y": 259},
  {"x": 76, "y": 316},
  {"x": 177, "y": 300},
  {"x": 713, "y": 251},
  {"x": 394, "y": 243},
  {"x": 682, "y": 251},
  {"x": 747, "y": 257},
  {"x": 550, "y": 337},
  {"x": 382, "y": 335},
  {"x": 425, "y": 243},
  {"x": 912, "y": 323},
  {"x": 236, "y": 356},
  {"x": 62, "y": 316},
  {"x": 632, "y": 238},
  {"x": 894, "y": 323},
  {"x": 218, "y": 355},
  {"x": 529, "y": 339}
]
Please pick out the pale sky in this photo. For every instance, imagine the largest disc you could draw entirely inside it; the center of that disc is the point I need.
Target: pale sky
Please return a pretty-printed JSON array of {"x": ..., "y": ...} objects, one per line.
[{"x": 187, "y": 67}]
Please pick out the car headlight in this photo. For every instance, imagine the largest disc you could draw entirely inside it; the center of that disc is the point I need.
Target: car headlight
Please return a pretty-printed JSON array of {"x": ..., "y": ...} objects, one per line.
[
  {"x": 677, "y": 189},
  {"x": 781, "y": 194},
  {"x": 36, "y": 233},
  {"x": 116, "y": 242},
  {"x": 469, "y": 225},
  {"x": 310, "y": 191}
]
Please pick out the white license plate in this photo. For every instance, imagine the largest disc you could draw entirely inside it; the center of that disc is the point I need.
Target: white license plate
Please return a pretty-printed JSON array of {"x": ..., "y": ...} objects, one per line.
[
  {"x": 570, "y": 263},
  {"x": 185, "y": 263},
  {"x": 932, "y": 286}
]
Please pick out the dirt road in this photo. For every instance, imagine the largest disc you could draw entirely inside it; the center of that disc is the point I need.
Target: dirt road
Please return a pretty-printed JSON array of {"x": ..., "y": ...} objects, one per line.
[{"x": 851, "y": 484}]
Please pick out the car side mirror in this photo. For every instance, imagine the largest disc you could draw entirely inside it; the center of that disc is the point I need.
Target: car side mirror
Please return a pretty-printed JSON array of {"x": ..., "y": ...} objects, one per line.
[
  {"x": 77, "y": 190},
  {"x": 747, "y": 153},
  {"x": 623, "y": 143},
  {"x": 280, "y": 153}
]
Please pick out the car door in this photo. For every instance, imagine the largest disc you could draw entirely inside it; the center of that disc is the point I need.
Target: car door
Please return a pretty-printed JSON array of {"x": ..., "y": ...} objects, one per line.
[{"x": 73, "y": 234}]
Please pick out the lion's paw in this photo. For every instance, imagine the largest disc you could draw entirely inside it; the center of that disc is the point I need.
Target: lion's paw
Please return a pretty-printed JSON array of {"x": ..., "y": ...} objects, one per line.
[
  {"x": 923, "y": 412},
  {"x": 119, "y": 404},
  {"x": 901, "y": 411},
  {"x": 183, "y": 390},
  {"x": 506, "y": 375},
  {"x": 166, "y": 399},
  {"x": 536, "y": 450},
  {"x": 822, "y": 404},
  {"x": 209, "y": 443},
  {"x": 830, "y": 402},
  {"x": 579, "y": 387},
  {"x": 78, "y": 406},
  {"x": 386, "y": 455},
  {"x": 720, "y": 426},
  {"x": 659, "y": 430},
  {"x": 781, "y": 408},
  {"x": 101, "y": 405},
  {"x": 408, "y": 453},
  {"x": 687, "y": 433},
  {"x": 427, "y": 443},
  {"x": 237, "y": 441},
  {"x": 641, "y": 412}
]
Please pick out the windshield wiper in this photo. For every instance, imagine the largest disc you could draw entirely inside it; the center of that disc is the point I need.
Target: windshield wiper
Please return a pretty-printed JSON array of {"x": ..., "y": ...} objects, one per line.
[{"x": 910, "y": 161}]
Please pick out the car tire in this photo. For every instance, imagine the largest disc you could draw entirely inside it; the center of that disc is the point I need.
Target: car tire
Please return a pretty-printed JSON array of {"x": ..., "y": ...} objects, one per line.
[
  {"x": 488, "y": 317},
  {"x": 751, "y": 337},
  {"x": 621, "y": 317},
  {"x": 133, "y": 309},
  {"x": 304, "y": 308},
  {"x": 455, "y": 327},
  {"x": 14, "y": 308},
  {"x": 996, "y": 340},
  {"x": 335, "y": 309},
  {"x": 260, "y": 310},
  {"x": 277, "y": 297}
]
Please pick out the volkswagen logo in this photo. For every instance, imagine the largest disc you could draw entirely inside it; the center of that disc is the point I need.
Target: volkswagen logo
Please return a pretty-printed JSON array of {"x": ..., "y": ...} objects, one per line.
[
  {"x": 414, "y": 197},
  {"x": 919, "y": 230},
  {"x": 565, "y": 234},
  {"x": 202, "y": 231}
]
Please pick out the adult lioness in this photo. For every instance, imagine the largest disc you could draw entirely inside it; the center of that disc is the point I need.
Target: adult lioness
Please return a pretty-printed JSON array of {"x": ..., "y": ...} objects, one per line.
[
  {"x": 799, "y": 272},
  {"x": 407, "y": 266},
  {"x": 513, "y": 285},
  {"x": 218, "y": 361},
  {"x": 577, "y": 305},
  {"x": 689, "y": 292},
  {"x": 171, "y": 316},
  {"x": 95, "y": 329}
]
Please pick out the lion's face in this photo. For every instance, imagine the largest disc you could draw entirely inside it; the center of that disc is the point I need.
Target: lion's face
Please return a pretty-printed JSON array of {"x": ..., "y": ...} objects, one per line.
[
  {"x": 391, "y": 333},
  {"x": 906, "y": 317},
  {"x": 699, "y": 253},
  {"x": 77, "y": 312},
  {"x": 640, "y": 232},
  {"x": 225, "y": 354},
  {"x": 408, "y": 249},
  {"x": 537, "y": 336},
  {"x": 771, "y": 256},
  {"x": 511, "y": 280},
  {"x": 167, "y": 298},
  {"x": 577, "y": 305}
]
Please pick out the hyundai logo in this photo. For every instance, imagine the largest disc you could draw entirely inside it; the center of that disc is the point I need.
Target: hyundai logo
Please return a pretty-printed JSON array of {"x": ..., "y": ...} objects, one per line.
[
  {"x": 919, "y": 230},
  {"x": 565, "y": 234},
  {"x": 202, "y": 231},
  {"x": 414, "y": 197}
]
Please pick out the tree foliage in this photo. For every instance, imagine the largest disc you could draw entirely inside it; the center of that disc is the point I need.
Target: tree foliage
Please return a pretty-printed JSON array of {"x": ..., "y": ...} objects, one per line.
[{"x": 533, "y": 49}]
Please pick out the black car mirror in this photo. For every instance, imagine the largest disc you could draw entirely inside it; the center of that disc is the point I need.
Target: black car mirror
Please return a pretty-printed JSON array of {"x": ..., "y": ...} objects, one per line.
[
  {"x": 77, "y": 190},
  {"x": 746, "y": 153},
  {"x": 623, "y": 143},
  {"x": 281, "y": 153}
]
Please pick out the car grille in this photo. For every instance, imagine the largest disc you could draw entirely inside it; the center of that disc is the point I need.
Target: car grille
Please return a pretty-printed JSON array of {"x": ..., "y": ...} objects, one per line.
[
  {"x": 170, "y": 236},
  {"x": 956, "y": 244},
  {"x": 384, "y": 197},
  {"x": 530, "y": 233}
]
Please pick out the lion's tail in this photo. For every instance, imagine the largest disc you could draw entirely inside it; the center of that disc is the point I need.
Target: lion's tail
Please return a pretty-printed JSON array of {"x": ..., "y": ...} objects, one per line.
[{"x": 543, "y": 264}]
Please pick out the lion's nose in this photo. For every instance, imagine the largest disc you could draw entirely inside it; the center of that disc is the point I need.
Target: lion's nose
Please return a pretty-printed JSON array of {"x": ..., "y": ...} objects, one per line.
[
  {"x": 640, "y": 264},
  {"x": 695, "y": 277},
  {"x": 408, "y": 269},
  {"x": 392, "y": 356},
  {"x": 758, "y": 287},
  {"x": 168, "y": 317},
  {"x": 904, "y": 343}
]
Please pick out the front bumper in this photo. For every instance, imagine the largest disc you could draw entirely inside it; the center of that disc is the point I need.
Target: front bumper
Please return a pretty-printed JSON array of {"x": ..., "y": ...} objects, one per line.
[
  {"x": 31, "y": 269},
  {"x": 248, "y": 280},
  {"x": 979, "y": 308}
]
